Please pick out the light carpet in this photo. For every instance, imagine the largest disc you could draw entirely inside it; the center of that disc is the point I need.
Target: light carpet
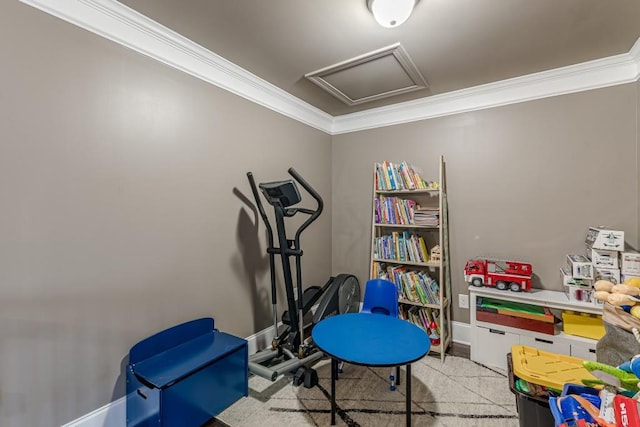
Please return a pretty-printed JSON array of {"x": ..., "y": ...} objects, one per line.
[{"x": 458, "y": 393}]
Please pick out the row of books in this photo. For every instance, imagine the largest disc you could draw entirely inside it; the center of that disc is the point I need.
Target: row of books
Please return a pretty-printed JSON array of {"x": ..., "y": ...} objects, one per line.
[
  {"x": 426, "y": 216},
  {"x": 400, "y": 176},
  {"x": 394, "y": 210},
  {"x": 417, "y": 286},
  {"x": 425, "y": 318},
  {"x": 414, "y": 286},
  {"x": 401, "y": 246}
]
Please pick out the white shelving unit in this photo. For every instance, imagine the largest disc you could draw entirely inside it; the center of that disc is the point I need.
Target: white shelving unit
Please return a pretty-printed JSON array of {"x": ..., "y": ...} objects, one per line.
[
  {"x": 433, "y": 235},
  {"x": 490, "y": 342}
]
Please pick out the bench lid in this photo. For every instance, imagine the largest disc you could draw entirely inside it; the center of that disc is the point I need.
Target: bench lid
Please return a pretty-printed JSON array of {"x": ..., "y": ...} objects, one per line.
[{"x": 167, "y": 367}]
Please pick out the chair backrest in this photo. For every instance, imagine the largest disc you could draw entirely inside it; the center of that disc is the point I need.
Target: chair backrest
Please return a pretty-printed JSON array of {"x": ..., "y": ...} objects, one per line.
[{"x": 380, "y": 297}]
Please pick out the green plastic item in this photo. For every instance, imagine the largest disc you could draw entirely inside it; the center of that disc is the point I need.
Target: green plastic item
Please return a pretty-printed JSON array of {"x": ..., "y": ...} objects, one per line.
[{"x": 610, "y": 375}]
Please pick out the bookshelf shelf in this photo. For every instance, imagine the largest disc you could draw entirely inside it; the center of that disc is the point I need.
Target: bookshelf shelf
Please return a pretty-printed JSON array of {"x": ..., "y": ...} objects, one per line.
[
  {"x": 419, "y": 304},
  {"x": 426, "y": 227},
  {"x": 415, "y": 264},
  {"x": 406, "y": 226},
  {"x": 409, "y": 192}
]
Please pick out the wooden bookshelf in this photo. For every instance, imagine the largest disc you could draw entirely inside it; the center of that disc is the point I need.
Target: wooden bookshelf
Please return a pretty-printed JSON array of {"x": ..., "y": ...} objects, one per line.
[{"x": 406, "y": 224}]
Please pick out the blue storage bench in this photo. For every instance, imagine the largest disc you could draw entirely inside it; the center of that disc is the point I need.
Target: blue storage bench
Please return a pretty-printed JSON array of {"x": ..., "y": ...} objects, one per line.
[{"x": 185, "y": 375}]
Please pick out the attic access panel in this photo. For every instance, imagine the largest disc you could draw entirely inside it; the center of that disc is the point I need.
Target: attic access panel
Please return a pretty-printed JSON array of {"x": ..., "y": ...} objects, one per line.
[{"x": 375, "y": 75}]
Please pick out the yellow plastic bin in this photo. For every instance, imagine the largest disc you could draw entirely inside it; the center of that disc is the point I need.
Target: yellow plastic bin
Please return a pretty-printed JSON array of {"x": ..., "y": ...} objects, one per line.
[
  {"x": 583, "y": 324},
  {"x": 548, "y": 369},
  {"x": 533, "y": 411}
]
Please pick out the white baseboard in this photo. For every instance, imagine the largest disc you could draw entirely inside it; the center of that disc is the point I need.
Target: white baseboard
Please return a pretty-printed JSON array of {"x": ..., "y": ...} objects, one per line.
[
  {"x": 461, "y": 333},
  {"x": 114, "y": 414}
]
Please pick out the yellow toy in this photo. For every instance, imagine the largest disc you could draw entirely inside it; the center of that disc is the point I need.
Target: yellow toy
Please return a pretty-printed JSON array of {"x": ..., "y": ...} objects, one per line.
[{"x": 633, "y": 281}]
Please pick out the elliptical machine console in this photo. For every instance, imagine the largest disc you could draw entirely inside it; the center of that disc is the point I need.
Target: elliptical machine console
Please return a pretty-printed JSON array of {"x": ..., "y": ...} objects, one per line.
[{"x": 340, "y": 294}]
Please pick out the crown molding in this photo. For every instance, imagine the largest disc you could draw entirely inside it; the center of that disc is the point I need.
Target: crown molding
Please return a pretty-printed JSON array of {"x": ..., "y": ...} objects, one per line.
[
  {"x": 634, "y": 55},
  {"x": 599, "y": 73},
  {"x": 121, "y": 24}
]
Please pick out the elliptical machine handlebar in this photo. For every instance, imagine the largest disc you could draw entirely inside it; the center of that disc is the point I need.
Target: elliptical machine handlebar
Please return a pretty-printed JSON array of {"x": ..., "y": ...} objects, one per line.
[
  {"x": 256, "y": 196},
  {"x": 272, "y": 271},
  {"x": 309, "y": 189},
  {"x": 290, "y": 211},
  {"x": 314, "y": 213}
]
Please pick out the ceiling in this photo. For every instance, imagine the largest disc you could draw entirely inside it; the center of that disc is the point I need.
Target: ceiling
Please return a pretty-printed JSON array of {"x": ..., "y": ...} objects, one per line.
[{"x": 454, "y": 44}]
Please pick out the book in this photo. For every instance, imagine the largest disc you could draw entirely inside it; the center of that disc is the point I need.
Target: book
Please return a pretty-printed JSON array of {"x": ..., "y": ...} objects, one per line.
[
  {"x": 424, "y": 253},
  {"x": 410, "y": 182}
]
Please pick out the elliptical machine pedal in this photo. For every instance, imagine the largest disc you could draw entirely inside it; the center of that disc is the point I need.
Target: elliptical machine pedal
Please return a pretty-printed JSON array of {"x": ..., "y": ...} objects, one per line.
[{"x": 307, "y": 376}]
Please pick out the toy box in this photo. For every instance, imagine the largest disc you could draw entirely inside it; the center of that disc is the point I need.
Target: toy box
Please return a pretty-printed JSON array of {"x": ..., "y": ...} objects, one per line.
[
  {"x": 601, "y": 238},
  {"x": 602, "y": 258},
  {"x": 630, "y": 263},
  {"x": 610, "y": 274},
  {"x": 582, "y": 325},
  {"x": 581, "y": 267}
]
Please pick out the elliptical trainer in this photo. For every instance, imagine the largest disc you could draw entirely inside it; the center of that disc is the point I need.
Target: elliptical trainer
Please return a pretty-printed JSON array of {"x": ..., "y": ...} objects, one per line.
[{"x": 340, "y": 294}]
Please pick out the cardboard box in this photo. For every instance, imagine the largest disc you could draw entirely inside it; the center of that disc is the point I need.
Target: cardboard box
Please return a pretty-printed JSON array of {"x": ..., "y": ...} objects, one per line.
[
  {"x": 569, "y": 280},
  {"x": 581, "y": 267},
  {"x": 610, "y": 274},
  {"x": 630, "y": 263},
  {"x": 577, "y": 290},
  {"x": 602, "y": 238},
  {"x": 603, "y": 258},
  {"x": 580, "y": 294}
]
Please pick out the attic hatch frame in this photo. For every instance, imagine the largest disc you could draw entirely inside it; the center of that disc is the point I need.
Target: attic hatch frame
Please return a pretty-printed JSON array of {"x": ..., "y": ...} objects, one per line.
[{"x": 319, "y": 77}]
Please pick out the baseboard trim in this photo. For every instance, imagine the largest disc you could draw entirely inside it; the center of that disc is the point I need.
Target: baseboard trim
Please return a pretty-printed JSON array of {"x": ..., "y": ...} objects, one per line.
[
  {"x": 114, "y": 414},
  {"x": 461, "y": 333}
]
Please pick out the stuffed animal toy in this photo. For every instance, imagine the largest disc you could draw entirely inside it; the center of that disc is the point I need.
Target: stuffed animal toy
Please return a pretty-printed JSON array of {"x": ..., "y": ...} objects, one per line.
[{"x": 620, "y": 295}]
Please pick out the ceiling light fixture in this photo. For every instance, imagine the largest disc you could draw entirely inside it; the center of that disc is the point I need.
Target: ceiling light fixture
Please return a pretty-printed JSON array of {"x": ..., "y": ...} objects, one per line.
[{"x": 391, "y": 13}]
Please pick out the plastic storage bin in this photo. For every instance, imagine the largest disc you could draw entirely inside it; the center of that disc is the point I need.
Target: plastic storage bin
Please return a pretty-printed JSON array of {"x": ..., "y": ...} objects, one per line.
[
  {"x": 532, "y": 411},
  {"x": 583, "y": 324},
  {"x": 548, "y": 369}
]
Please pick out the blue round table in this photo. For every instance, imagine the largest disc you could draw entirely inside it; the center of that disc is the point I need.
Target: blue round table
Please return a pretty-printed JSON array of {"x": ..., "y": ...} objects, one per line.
[{"x": 371, "y": 340}]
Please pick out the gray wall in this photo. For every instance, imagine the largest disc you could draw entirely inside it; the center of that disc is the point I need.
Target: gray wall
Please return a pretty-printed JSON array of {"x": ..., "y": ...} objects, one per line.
[
  {"x": 124, "y": 206},
  {"x": 121, "y": 184},
  {"x": 524, "y": 181}
]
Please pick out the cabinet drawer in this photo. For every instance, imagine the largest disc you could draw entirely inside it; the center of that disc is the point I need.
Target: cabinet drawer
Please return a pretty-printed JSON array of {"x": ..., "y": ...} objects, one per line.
[
  {"x": 492, "y": 346},
  {"x": 584, "y": 351},
  {"x": 552, "y": 344}
]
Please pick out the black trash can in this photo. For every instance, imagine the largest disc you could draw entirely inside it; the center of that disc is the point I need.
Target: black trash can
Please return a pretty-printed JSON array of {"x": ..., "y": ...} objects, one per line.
[{"x": 533, "y": 411}]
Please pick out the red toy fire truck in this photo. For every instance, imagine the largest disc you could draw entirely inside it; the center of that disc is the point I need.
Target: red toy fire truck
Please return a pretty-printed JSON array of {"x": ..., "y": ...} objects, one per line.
[{"x": 499, "y": 273}]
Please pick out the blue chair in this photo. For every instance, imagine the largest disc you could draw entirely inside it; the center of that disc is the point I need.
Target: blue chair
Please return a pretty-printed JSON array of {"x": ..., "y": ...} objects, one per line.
[{"x": 381, "y": 298}]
